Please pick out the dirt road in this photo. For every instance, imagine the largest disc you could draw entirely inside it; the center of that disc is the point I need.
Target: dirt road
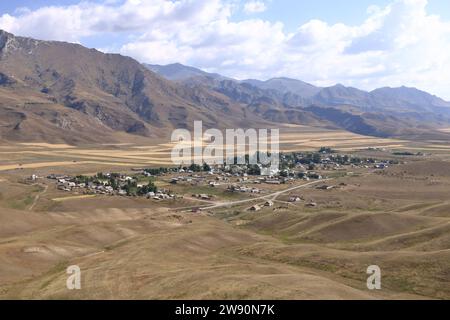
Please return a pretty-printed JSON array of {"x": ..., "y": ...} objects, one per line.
[{"x": 270, "y": 196}]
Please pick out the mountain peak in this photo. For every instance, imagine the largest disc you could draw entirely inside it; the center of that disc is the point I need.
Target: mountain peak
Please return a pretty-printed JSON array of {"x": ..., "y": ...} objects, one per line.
[
  {"x": 177, "y": 71},
  {"x": 4, "y": 36},
  {"x": 286, "y": 85},
  {"x": 5, "y": 33}
]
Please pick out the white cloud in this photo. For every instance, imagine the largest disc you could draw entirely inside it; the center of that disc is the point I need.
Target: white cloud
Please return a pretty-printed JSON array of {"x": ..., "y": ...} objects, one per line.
[
  {"x": 400, "y": 44},
  {"x": 254, "y": 7},
  {"x": 89, "y": 18}
]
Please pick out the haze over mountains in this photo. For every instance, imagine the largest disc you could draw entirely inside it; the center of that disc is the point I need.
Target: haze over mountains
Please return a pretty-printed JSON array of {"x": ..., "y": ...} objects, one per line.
[
  {"x": 381, "y": 112},
  {"x": 62, "y": 92},
  {"x": 403, "y": 97}
]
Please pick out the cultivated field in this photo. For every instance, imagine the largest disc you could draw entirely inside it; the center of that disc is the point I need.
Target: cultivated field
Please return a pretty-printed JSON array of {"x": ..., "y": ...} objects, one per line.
[
  {"x": 157, "y": 153},
  {"x": 128, "y": 247}
]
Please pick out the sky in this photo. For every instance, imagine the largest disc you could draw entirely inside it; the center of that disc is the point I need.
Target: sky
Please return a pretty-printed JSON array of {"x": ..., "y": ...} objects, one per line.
[{"x": 361, "y": 43}]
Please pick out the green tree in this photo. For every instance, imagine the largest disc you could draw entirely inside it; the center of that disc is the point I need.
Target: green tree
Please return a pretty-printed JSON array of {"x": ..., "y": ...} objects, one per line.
[{"x": 206, "y": 167}]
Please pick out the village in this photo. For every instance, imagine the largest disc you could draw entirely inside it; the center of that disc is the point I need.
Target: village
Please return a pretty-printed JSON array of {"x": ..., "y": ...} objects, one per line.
[{"x": 243, "y": 180}]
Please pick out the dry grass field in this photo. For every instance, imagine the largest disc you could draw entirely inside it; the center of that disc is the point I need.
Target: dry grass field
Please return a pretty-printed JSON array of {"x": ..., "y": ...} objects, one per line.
[
  {"x": 398, "y": 220},
  {"x": 41, "y": 155},
  {"x": 157, "y": 153},
  {"x": 135, "y": 248}
]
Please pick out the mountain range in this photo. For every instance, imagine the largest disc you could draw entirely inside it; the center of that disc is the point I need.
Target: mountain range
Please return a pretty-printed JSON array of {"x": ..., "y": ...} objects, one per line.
[
  {"x": 382, "y": 112},
  {"x": 62, "y": 92}
]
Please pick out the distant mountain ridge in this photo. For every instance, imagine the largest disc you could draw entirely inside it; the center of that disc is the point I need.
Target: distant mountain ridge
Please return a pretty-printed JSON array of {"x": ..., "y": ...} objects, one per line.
[
  {"x": 177, "y": 71},
  {"x": 381, "y": 112},
  {"x": 334, "y": 95},
  {"x": 62, "y": 92},
  {"x": 286, "y": 85}
]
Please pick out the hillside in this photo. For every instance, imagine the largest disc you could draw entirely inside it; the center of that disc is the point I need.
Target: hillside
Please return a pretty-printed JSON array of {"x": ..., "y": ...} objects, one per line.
[
  {"x": 394, "y": 99},
  {"x": 61, "y": 92},
  {"x": 67, "y": 92},
  {"x": 385, "y": 112}
]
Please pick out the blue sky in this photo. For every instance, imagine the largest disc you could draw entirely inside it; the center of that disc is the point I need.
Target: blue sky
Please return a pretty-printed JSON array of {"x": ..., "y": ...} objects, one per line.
[
  {"x": 294, "y": 12},
  {"x": 395, "y": 42}
]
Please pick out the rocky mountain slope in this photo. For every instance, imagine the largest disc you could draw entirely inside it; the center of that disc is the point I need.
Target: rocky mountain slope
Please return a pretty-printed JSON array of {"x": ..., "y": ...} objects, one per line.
[
  {"x": 383, "y": 112},
  {"x": 62, "y": 92}
]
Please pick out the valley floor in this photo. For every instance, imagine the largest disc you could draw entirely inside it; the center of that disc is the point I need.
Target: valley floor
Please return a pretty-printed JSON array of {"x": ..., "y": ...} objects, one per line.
[{"x": 131, "y": 248}]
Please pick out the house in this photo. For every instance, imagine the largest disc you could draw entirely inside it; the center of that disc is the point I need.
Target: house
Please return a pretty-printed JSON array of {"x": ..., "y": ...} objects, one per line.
[
  {"x": 174, "y": 181},
  {"x": 255, "y": 208},
  {"x": 294, "y": 199},
  {"x": 268, "y": 203},
  {"x": 236, "y": 170},
  {"x": 67, "y": 184},
  {"x": 314, "y": 175},
  {"x": 269, "y": 171},
  {"x": 161, "y": 196}
]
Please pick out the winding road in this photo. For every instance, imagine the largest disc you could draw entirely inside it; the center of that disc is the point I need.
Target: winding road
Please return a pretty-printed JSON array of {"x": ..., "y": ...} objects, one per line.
[{"x": 270, "y": 196}]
